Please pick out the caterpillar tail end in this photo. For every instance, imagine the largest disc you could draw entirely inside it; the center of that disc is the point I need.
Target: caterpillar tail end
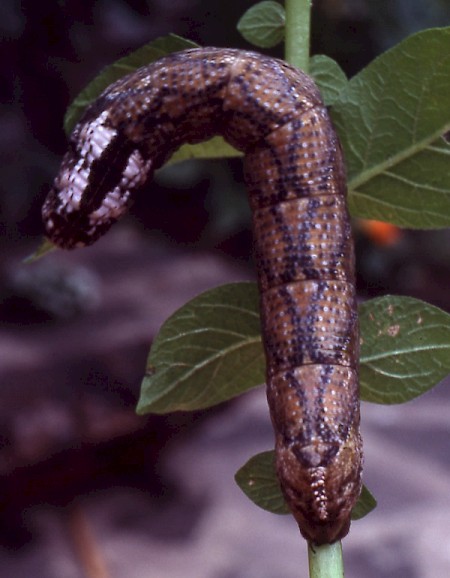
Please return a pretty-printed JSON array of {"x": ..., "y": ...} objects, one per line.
[{"x": 321, "y": 497}]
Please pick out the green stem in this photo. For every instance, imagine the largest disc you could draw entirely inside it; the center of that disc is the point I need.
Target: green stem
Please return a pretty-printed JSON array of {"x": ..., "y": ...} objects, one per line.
[
  {"x": 325, "y": 561},
  {"x": 297, "y": 31}
]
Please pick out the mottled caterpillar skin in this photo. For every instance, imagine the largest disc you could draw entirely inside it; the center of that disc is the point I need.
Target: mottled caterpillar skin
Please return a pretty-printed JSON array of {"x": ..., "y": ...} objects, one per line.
[{"x": 303, "y": 248}]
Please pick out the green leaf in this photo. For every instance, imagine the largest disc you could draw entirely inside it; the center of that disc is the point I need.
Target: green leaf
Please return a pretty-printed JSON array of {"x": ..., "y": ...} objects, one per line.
[
  {"x": 365, "y": 504},
  {"x": 207, "y": 352},
  {"x": 217, "y": 147},
  {"x": 44, "y": 248},
  {"x": 391, "y": 118},
  {"x": 405, "y": 348},
  {"x": 213, "y": 148},
  {"x": 329, "y": 76},
  {"x": 415, "y": 193},
  {"x": 259, "y": 482},
  {"x": 210, "y": 350},
  {"x": 141, "y": 57},
  {"x": 263, "y": 24}
]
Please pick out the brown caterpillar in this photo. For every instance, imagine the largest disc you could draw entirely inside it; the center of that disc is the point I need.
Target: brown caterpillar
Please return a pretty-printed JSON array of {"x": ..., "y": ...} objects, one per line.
[{"x": 304, "y": 253}]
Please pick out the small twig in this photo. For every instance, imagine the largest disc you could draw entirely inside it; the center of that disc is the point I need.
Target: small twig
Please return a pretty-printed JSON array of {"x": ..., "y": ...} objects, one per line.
[{"x": 85, "y": 545}]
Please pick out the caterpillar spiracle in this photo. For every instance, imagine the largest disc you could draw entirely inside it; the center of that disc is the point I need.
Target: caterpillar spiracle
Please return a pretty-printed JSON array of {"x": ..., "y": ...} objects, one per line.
[{"x": 296, "y": 182}]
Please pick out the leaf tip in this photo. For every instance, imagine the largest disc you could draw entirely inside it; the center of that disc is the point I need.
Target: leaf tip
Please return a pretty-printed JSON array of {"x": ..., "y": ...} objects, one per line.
[{"x": 45, "y": 247}]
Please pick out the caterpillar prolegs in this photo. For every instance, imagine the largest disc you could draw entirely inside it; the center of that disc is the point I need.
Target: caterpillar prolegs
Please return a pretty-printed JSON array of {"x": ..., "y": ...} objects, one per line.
[{"x": 303, "y": 248}]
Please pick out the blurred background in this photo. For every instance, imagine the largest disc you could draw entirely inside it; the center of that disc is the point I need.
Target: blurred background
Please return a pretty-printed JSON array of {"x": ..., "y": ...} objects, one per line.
[{"x": 87, "y": 488}]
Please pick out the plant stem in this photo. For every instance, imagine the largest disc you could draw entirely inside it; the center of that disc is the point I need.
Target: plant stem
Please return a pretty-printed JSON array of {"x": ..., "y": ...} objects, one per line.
[
  {"x": 297, "y": 32},
  {"x": 325, "y": 561},
  {"x": 86, "y": 548}
]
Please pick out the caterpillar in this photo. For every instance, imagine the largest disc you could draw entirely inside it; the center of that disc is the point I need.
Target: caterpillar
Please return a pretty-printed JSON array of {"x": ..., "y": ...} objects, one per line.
[{"x": 295, "y": 176}]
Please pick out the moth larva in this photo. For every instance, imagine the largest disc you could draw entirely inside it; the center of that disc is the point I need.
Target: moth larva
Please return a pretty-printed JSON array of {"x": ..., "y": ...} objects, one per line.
[{"x": 303, "y": 248}]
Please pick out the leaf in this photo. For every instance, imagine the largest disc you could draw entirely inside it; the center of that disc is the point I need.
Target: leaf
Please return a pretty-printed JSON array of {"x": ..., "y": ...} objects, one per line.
[
  {"x": 210, "y": 350},
  {"x": 217, "y": 147},
  {"x": 329, "y": 76},
  {"x": 365, "y": 504},
  {"x": 207, "y": 352},
  {"x": 141, "y": 57},
  {"x": 391, "y": 117},
  {"x": 416, "y": 193},
  {"x": 263, "y": 24},
  {"x": 405, "y": 348},
  {"x": 259, "y": 482},
  {"x": 44, "y": 248}
]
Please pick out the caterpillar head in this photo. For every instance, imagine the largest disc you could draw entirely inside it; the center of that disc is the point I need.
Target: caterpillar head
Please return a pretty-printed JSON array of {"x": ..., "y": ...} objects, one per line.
[{"x": 94, "y": 186}]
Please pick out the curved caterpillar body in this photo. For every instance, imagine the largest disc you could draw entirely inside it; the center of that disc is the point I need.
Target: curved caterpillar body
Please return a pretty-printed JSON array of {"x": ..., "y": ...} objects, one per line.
[{"x": 304, "y": 253}]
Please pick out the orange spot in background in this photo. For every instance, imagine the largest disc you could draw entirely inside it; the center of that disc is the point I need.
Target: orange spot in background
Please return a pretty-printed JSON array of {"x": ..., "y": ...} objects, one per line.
[{"x": 380, "y": 233}]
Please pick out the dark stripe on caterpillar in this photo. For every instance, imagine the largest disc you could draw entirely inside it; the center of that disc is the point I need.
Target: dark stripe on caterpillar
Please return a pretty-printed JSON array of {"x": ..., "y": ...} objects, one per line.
[{"x": 295, "y": 176}]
